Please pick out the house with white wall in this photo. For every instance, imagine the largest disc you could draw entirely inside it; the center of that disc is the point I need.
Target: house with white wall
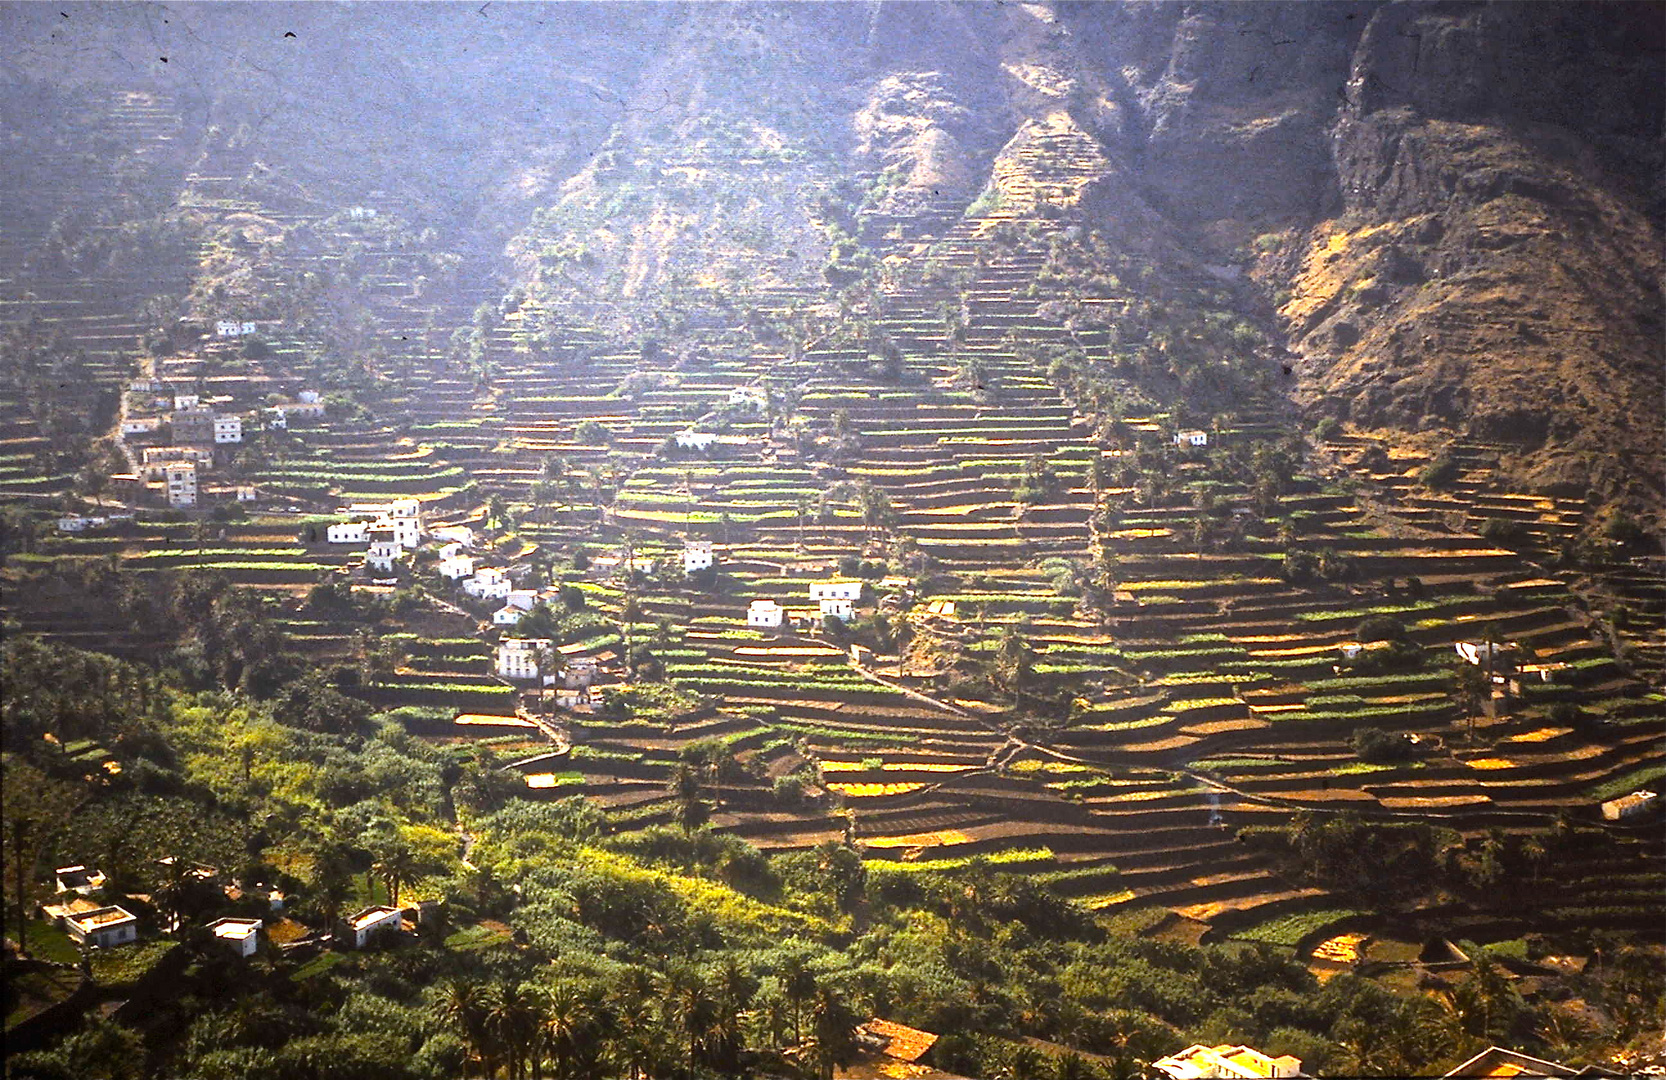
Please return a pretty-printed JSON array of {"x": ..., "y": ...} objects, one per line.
[
  {"x": 102, "y": 928},
  {"x": 517, "y": 658},
  {"x": 697, "y": 555},
  {"x": 382, "y": 556},
  {"x": 228, "y": 429},
  {"x": 359, "y": 928},
  {"x": 181, "y": 479},
  {"x": 241, "y": 936},
  {"x": 696, "y": 440},
  {"x": 765, "y": 614},
  {"x": 1191, "y": 437},
  {"x": 348, "y": 532}
]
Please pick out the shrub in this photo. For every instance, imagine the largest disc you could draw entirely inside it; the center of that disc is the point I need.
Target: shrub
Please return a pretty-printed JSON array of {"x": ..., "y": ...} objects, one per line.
[{"x": 1374, "y": 746}]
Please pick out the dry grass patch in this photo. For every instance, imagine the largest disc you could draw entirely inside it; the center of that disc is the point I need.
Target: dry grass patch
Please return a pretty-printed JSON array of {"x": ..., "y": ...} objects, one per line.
[{"x": 935, "y": 838}]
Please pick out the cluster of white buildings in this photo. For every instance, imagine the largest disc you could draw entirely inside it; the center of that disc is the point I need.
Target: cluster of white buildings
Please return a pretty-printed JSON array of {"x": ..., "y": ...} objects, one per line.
[
  {"x": 834, "y": 599},
  {"x": 391, "y": 529}
]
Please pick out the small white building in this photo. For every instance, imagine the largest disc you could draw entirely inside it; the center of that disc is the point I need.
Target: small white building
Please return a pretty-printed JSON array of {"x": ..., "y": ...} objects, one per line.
[
  {"x": 460, "y": 535},
  {"x": 310, "y": 397},
  {"x": 247, "y": 493},
  {"x": 382, "y": 556},
  {"x": 348, "y": 532},
  {"x": 144, "y": 386},
  {"x": 365, "y": 923},
  {"x": 488, "y": 584},
  {"x": 241, "y": 936},
  {"x": 455, "y": 568},
  {"x": 697, "y": 555},
  {"x": 1191, "y": 437},
  {"x": 835, "y": 590},
  {"x": 507, "y": 615},
  {"x": 228, "y": 429},
  {"x": 232, "y": 328},
  {"x": 156, "y": 459},
  {"x": 140, "y": 425},
  {"x": 187, "y": 401},
  {"x": 102, "y": 928},
  {"x": 1479, "y": 652},
  {"x": 749, "y": 396},
  {"x": 1628, "y": 806},
  {"x": 181, "y": 480},
  {"x": 696, "y": 440},
  {"x": 276, "y": 418},
  {"x": 517, "y": 658},
  {"x": 836, "y": 607},
  {"x": 1200, "y": 1062},
  {"x": 764, "y": 613},
  {"x": 74, "y": 523},
  {"x": 78, "y": 879}
]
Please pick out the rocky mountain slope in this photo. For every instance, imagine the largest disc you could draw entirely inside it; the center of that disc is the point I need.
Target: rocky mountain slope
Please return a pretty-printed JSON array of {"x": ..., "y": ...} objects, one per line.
[{"x": 1448, "y": 215}]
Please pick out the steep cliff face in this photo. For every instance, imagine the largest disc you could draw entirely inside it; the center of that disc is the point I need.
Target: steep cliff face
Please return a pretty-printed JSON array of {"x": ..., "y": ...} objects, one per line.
[{"x": 1456, "y": 208}]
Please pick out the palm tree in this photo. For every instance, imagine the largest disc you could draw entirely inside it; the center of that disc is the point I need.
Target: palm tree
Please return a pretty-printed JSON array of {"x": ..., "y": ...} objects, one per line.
[
  {"x": 693, "y": 1009},
  {"x": 833, "y": 1032},
  {"x": 564, "y": 1017},
  {"x": 462, "y": 1006},
  {"x": 512, "y": 1021}
]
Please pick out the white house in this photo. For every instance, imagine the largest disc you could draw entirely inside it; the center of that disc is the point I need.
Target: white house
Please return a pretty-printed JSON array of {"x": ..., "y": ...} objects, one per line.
[
  {"x": 247, "y": 493},
  {"x": 241, "y": 936},
  {"x": 751, "y": 396},
  {"x": 517, "y": 658},
  {"x": 182, "y": 484},
  {"x": 1191, "y": 437},
  {"x": 507, "y": 615},
  {"x": 1628, "y": 806},
  {"x": 102, "y": 927},
  {"x": 836, "y": 607},
  {"x": 140, "y": 425},
  {"x": 697, "y": 555},
  {"x": 348, "y": 532},
  {"x": 74, "y": 523},
  {"x": 696, "y": 440},
  {"x": 382, "y": 556},
  {"x": 835, "y": 590},
  {"x": 363, "y": 924},
  {"x": 78, "y": 880},
  {"x": 276, "y": 418},
  {"x": 144, "y": 386},
  {"x": 1479, "y": 652},
  {"x": 187, "y": 401},
  {"x": 309, "y": 397},
  {"x": 1199, "y": 1062},
  {"x": 228, "y": 429},
  {"x": 455, "y": 568},
  {"x": 764, "y": 613},
  {"x": 156, "y": 459},
  {"x": 461, "y": 535},
  {"x": 488, "y": 583},
  {"x": 232, "y": 328}
]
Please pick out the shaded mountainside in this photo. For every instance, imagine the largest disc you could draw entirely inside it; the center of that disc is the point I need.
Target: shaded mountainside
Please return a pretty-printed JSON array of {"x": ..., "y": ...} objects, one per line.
[{"x": 1449, "y": 214}]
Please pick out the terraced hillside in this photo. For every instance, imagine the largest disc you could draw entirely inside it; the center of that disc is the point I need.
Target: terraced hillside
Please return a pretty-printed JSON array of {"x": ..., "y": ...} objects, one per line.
[{"x": 1122, "y": 609}]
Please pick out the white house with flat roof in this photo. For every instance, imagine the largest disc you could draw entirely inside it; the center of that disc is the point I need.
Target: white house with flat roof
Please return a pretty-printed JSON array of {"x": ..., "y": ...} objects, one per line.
[
  {"x": 181, "y": 478},
  {"x": 228, "y": 429},
  {"x": 1200, "y": 1062},
  {"x": 366, "y": 923},
  {"x": 1191, "y": 437},
  {"x": 78, "y": 879},
  {"x": 348, "y": 532},
  {"x": 517, "y": 658},
  {"x": 102, "y": 928},
  {"x": 381, "y": 556},
  {"x": 836, "y": 607},
  {"x": 1628, "y": 806},
  {"x": 696, "y": 440},
  {"x": 488, "y": 583},
  {"x": 835, "y": 590},
  {"x": 697, "y": 555},
  {"x": 456, "y": 568},
  {"x": 241, "y": 936},
  {"x": 765, "y": 613}
]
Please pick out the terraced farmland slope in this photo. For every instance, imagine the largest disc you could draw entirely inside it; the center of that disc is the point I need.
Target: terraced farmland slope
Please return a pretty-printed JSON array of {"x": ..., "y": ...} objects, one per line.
[{"x": 1120, "y": 605}]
